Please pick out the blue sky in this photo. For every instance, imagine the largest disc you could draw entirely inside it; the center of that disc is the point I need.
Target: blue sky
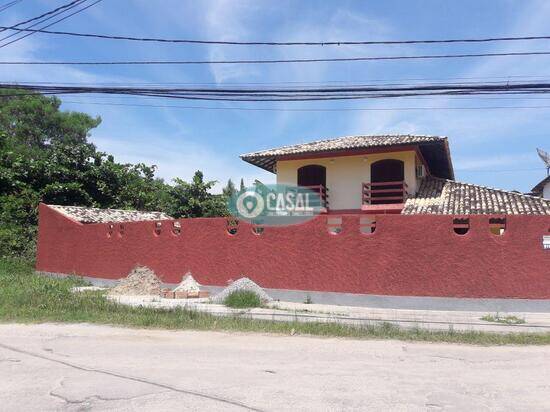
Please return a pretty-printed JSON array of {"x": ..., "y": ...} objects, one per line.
[{"x": 489, "y": 147}]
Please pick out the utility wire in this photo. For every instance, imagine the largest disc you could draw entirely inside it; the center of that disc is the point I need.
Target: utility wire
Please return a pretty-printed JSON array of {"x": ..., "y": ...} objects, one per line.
[
  {"x": 43, "y": 20},
  {"x": 273, "y": 109},
  {"x": 266, "y": 43},
  {"x": 42, "y": 15},
  {"x": 273, "y": 61},
  {"x": 286, "y": 94},
  {"x": 516, "y": 97},
  {"x": 55, "y": 22},
  {"x": 8, "y": 5},
  {"x": 317, "y": 83}
]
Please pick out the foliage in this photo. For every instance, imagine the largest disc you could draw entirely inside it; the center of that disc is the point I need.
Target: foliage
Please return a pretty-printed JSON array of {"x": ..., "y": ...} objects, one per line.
[
  {"x": 230, "y": 189},
  {"x": 27, "y": 297},
  {"x": 507, "y": 320},
  {"x": 194, "y": 199},
  {"x": 243, "y": 299},
  {"x": 45, "y": 157}
]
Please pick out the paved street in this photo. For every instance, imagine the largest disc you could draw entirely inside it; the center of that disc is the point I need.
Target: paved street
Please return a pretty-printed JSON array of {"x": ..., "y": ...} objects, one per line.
[{"x": 83, "y": 367}]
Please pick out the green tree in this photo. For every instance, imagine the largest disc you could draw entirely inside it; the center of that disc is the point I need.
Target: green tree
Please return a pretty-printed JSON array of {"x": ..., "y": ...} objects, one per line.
[
  {"x": 230, "y": 189},
  {"x": 195, "y": 200},
  {"x": 45, "y": 157}
]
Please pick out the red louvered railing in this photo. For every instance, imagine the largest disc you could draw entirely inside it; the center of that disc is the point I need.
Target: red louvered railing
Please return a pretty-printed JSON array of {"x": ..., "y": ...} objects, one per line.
[
  {"x": 381, "y": 193},
  {"x": 322, "y": 192}
]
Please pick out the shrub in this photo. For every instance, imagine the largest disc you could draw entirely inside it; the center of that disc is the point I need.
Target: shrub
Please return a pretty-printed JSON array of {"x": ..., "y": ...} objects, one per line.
[{"x": 242, "y": 299}]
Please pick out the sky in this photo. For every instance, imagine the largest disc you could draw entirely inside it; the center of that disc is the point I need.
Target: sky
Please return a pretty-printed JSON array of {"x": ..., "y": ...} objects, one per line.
[{"x": 491, "y": 147}]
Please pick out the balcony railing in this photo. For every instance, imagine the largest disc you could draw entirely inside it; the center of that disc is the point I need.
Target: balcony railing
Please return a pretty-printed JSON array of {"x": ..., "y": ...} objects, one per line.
[
  {"x": 322, "y": 191},
  {"x": 381, "y": 193}
]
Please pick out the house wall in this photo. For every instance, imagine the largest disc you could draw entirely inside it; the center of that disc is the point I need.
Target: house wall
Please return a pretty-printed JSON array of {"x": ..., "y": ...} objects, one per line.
[
  {"x": 408, "y": 255},
  {"x": 546, "y": 191},
  {"x": 346, "y": 174}
]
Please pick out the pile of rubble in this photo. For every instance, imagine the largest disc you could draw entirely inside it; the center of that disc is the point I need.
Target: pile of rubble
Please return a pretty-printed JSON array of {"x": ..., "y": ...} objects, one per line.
[
  {"x": 187, "y": 289},
  {"x": 242, "y": 284},
  {"x": 140, "y": 281}
]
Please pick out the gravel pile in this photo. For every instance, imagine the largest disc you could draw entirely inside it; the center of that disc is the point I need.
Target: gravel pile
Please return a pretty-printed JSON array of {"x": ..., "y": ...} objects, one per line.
[
  {"x": 188, "y": 284},
  {"x": 140, "y": 281},
  {"x": 242, "y": 284}
]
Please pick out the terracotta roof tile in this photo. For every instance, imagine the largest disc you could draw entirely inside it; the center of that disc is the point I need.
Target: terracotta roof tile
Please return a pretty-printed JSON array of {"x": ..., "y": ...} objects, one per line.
[
  {"x": 346, "y": 142},
  {"x": 95, "y": 215},
  {"x": 448, "y": 197},
  {"x": 433, "y": 148}
]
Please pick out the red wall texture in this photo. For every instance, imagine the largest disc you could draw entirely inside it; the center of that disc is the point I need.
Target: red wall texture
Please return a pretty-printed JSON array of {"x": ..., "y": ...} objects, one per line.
[{"x": 406, "y": 256}]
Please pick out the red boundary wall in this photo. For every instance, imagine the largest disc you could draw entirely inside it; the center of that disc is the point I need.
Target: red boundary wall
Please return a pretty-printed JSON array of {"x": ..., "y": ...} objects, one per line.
[{"x": 408, "y": 255}]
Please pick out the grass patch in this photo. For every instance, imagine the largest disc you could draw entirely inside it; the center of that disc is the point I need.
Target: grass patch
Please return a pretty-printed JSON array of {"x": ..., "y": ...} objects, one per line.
[
  {"x": 240, "y": 299},
  {"x": 30, "y": 298},
  {"x": 507, "y": 320}
]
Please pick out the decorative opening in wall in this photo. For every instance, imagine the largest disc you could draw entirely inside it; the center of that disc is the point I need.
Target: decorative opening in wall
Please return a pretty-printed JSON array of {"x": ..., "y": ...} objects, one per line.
[
  {"x": 232, "y": 226},
  {"x": 461, "y": 226},
  {"x": 367, "y": 225},
  {"x": 176, "y": 228},
  {"x": 110, "y": 230},
  {"x": 158, "y": 228},
  {"x": 121, "y": 230},
  {"x": 334, "y": 225},
  {"x": 258, "y": 230},
  {"x": 497, "y": 225}
]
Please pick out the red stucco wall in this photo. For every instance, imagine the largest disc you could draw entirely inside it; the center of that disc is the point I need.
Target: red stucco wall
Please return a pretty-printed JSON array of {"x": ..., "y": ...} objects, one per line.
[{"x": 407, "y": 255}]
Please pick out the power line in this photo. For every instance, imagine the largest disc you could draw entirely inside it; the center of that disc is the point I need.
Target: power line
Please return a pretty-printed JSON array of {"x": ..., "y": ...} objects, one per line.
[
  {"x": 293, "y": 82},
  {"x": 270, "y": 109},
  {"x": 518, "y": 97},
  {"x": 8, "y": 5},
  {"x": 55, "y": 22},
  {"x": 289, "y": 94},
  {"x": 15, "y": 26},
  {"x": 274, "y": 61},
  {"x": 268, "y": 43},
  {"x": 43, "y": 20}
]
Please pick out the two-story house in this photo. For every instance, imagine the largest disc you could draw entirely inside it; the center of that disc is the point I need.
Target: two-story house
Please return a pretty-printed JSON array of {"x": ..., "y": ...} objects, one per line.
[{"x": 407, "y": 174}]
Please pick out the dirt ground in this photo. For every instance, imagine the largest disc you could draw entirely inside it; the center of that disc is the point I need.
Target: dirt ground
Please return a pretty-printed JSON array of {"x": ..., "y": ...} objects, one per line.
[{"x": 83, "y": 367}]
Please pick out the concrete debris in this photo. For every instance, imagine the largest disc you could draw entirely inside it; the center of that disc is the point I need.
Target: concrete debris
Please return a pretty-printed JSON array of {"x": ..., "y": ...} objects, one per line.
[
  {"x": 188, "y": 284},
  {"x": 140, "y": 281},
  {"x": 242, "y": 284}
]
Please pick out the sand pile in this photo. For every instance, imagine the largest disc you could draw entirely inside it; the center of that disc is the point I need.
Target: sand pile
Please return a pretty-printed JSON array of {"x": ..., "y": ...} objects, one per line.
[
  {"x": 242, "y": 284},
  {"x": 140, "y": 281},
  {"x": 188, "y": 284}
]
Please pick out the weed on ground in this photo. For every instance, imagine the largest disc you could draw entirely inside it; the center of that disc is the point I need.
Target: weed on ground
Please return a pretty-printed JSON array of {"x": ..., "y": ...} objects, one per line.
[
  {"x": 31, "y": 298},
  {"x": 241, "y": 299}
]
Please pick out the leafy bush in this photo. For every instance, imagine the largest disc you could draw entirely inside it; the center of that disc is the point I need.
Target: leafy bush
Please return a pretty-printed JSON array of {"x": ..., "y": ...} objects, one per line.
[
  {"x": 243, "y": 299},
  {"x": 45, "y": 156}
]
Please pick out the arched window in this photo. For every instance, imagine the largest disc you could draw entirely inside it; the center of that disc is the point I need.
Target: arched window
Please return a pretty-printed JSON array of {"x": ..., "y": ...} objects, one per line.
[
  {"x": 388, "y": 170},
  {"x": 386, "y": 182},
  {"x": 312, "y": 175}
]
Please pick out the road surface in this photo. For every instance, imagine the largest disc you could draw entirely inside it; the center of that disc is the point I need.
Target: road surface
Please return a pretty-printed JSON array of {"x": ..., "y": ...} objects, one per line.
[{"x": 83, "y": 367}]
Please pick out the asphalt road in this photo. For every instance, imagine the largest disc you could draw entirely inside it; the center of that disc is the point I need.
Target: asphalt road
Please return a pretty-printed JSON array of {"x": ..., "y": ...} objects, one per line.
[{"x": 82, "y": 367}]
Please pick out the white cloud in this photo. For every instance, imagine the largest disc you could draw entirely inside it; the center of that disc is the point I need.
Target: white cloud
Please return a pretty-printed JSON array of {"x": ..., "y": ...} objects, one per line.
[
  {"x": 494, "y": 161},
  {"x": 177, "y": 156}
]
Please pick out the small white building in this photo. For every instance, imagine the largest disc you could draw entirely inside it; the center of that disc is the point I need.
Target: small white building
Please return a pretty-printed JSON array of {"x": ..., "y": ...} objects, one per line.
[{"x": 542, "y": 189}]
